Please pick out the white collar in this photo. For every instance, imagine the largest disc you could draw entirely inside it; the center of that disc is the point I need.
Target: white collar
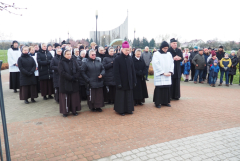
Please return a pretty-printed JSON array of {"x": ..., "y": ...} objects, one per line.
[{"x": 137, "y": 58}]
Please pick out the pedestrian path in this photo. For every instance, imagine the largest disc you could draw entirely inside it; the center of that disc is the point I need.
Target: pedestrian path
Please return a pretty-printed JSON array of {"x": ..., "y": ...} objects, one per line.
[{"x": 218, "y": 145}]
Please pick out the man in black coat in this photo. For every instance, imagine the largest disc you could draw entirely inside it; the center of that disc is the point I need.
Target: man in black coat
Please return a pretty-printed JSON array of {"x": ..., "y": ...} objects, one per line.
[
  {"x": 125, "y": 78},
  {"x": 176, "y": 77},
  {"x": 220, "y": 54}
]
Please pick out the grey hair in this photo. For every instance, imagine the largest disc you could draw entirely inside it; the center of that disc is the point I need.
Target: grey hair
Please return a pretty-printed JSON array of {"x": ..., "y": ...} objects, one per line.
[
  {"x": 65, "y": 52},
  {"x": 91, "y": 51},
  {"x": 83, "y": 51},
  {"x": 76, "y": 49},
  {"x": 233, "y": 51},
  {"x": 100, "y": 47},
  {"x": 137, "y": 50},
  {"x": 110, "y": 49},
  {"x": 146, "y": 47}
]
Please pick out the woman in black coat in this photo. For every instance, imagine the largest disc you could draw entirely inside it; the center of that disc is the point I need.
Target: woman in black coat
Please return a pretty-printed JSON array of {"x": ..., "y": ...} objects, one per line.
[
  {"x": 109, "y": 89},
  {"x": 233, "y": 68},
  {"x": 54, "y": 66},
  {"x": 140, "y": 90},
  {"x": 69, "y": 87},
  {"x": 93, "y": 71},
  {"x": 44, "y": 58},
  {"x": 82, "y": 83},
  {"x": 28, "y": 83}
]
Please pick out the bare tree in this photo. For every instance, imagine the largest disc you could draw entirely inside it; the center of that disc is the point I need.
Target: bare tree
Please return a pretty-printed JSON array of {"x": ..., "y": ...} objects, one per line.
[{"x": 7, "y": 7}]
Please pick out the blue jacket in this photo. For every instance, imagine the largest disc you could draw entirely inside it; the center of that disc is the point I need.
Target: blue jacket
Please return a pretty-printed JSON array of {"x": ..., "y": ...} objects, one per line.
[
  {"x": 214, "y": 71},
  {"x": 187, "y": 67}
]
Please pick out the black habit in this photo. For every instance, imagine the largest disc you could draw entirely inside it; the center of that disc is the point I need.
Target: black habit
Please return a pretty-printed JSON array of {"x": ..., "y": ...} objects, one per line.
[
  {"x": 125, "y": 78},
  {"x": 27, "y": 67},
  {"x": 54, "y": 67},
  {"x": 140, "y": 91},
  {"x": 69, "y": 100},
  {"x": 82, "y": 83},
  {"x": 109, "y": 89},
  {"x": 176, "y": 77}
]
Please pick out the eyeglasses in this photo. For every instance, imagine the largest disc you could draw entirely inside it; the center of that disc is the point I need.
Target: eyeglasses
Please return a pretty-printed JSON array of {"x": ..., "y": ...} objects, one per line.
[{"x": 93, "y": 54}]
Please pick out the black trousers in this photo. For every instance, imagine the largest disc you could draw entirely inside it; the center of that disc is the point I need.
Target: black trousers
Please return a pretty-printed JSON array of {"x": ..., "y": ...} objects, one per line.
[
  {"x": 192, "y": 71},
  {"x": 230, "y": 78}
]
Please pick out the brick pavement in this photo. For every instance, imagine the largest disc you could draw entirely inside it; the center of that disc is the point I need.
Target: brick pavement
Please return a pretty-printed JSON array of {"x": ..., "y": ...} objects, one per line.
[{"x": 38, "y": 132}]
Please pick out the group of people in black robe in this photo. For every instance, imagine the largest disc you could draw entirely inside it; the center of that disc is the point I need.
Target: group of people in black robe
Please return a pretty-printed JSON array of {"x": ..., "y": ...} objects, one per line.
[{"x": 97, "y": 75}]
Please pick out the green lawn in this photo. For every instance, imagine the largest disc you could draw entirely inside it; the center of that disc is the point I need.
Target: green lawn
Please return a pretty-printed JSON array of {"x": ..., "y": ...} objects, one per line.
[
  {"x": 3, "y": 56},
  {"x": 235, "y": 78}
]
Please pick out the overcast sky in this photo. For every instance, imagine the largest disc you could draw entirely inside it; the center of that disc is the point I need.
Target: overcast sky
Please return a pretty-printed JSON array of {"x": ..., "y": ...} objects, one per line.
[{"x": 189, "y": 19}]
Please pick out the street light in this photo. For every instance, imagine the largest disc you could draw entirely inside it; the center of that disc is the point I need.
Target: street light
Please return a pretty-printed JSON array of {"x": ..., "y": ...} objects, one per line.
[
  {"x": 134, "y": 32},
  {"x": 104, "y": 40},
  {"x": 96, "y": 24}
]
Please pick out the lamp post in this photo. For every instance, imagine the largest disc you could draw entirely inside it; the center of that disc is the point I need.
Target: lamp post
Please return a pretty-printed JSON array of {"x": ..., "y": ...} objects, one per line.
[
  {"x": 104, "y": 41},
  {"x": 96, "y": 24},
  {"x": 134, "y": 32}
]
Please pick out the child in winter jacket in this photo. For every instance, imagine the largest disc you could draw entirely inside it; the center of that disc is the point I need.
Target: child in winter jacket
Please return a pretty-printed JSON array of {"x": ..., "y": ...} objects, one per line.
[
  {"x": 214, "y": 69},
  {"x": 225, "y": 64},
  {"x": 186, "y": 68}
]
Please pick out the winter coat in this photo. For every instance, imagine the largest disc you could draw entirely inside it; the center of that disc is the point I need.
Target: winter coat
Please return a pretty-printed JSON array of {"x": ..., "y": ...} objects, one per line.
[
  {"x": 177, "y": 66},
  {"x": 186, "y": 67},
  {"x": 200, "y": 61},
  {"x": 68, "y": 76},
  {"x": 124, "y": 72},
  {"x": 233, "y": 68},
  {"x": 206, "y": 57},
  {"x": 44, "y": 59},
  {"x": 140, "y": 91},
  {"x": 109, "y": 75},
  {"x": 27, "y": 67},
  {"x": 147, "y": 57},
  {"x": 210, "y": 62},
  {"x": 81, "y": 79},
  {"x": 220, "y": 55},
  {"x": 192, "y": 55},
  {"x": 90, "y": 70},
  {"x": 54, "y": 66},
  {"x": 225, "y": 62},
  {"x": 214, "y": 71}
]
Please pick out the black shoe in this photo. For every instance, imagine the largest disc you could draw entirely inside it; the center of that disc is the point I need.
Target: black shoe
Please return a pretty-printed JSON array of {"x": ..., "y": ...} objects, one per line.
[
  {"x": 32, "y": 100},
  {"x": 175, "y": 98},
  {"x": 15, "y": 91},
  {"x": 26, "y": 102},
  {"x": 147, "y": 80},
  {"x": 50, "y": 97},
  {"x": 65, "y": 115},
  {"x": 109, "y": 102},
  {"x": 45, "y": 98},
  {"x": 158, "y": 106},
  {"x": 190, "y": 80},
  {"x": 186, "y": 80},
  {"x": 93, "y": 110},
  {"x": 130, "y": 112},
  {"x": 140, "y": 103},
  {"x": 75, "y": 114},
  {"x": 168, "y": 105},
  {"x": 230, "y": 83},
  {"x": 98, "y": 109},
  {"x": 122, "y": 114}
]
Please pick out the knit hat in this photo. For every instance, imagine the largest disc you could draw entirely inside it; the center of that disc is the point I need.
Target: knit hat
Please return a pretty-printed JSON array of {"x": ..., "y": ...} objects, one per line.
[
  {"x": 63, "y": 42},
  {"x": 205, "y": 49},
  {"x": 195, "y": 47},
  {"x": 173, "y": 40},
  {"x": 125, "y": 44},
  {"x": 209, "y": 48},
  {"x": 164, "y": 44},
  {"x": 221, "y": 46},
  {"x": 81, "y": 47},
  {"x": 215, "y": 61},
  {"x": 233, "y": 51},
  {"x": 213, "y": 53},
  {"x": 56, "y": 45},
  {"x": 200, "y": 49},
  {"x": 15, "y": 41}
]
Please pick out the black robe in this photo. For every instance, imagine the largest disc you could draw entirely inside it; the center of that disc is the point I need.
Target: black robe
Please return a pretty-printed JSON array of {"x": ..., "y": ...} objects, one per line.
[
  {"x": 176, "y": 77},
  {"x": 140, "y": 91},
  {"x": 124, "y": 75}
]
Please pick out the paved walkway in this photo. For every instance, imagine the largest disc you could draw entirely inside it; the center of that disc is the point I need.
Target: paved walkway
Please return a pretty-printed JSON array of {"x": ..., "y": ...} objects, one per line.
[
  {"x": 213, "y": 146},
  {"x": 38, "y": 132}
]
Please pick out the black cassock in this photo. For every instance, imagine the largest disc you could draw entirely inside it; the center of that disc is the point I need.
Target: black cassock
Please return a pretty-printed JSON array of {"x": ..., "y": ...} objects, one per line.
[
  {"x": 124, "y": 75},
  {"x": 140, "y": 91},
  {"x": 176, "y": 77}
]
